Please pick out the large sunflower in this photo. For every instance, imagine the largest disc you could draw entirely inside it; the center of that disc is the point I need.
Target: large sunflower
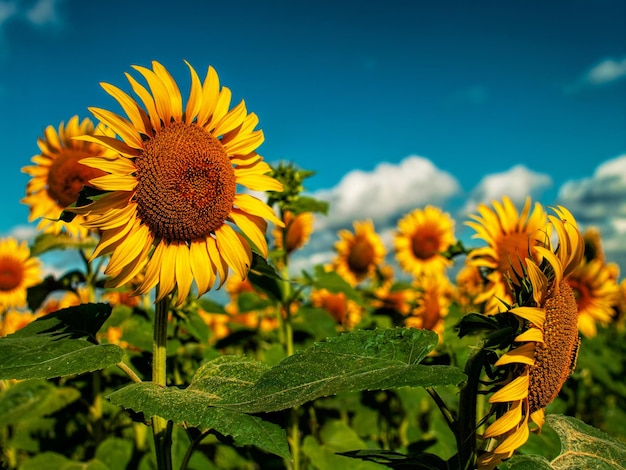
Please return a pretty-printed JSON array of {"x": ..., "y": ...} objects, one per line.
[
  {"x": 58, "y": 176},
  {"x": 596, "y": 292},
  {"x": 421, "y": 238},
  {"x": 544, "y": 351},
  {"x": 18, "y": 272},
  {"x": 511, "y": 237},
  {"x": 358, "y": 253},
  {"x": 172, "y": 206}
]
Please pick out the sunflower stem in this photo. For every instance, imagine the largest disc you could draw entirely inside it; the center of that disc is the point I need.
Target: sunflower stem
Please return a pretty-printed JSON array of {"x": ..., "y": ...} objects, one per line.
[
  {"x": 466, "y": 429},
  {"x": 161, "y": 428}
]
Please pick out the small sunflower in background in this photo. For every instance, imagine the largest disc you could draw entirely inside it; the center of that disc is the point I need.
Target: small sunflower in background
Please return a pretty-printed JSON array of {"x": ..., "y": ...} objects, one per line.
[
  {"x": 347, "y": 313},
  {"x": 433, "y": 297},
  {"x": 470, "y": 285},
  {"x": 545, "y": 349},
  {"x": 511, "y": 237},
  {"x": 171, "y": 205},
  {"x": 358, "y": 252},
  {"x": 296, "y": 233},
  {"x": 58, "y": 176},
  {"x": 18, "y": 271},
  {"x": 421, "y": 238}
]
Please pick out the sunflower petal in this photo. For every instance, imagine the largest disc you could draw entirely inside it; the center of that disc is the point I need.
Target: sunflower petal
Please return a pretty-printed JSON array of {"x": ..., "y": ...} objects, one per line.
[{"x": 236, "y": 253}]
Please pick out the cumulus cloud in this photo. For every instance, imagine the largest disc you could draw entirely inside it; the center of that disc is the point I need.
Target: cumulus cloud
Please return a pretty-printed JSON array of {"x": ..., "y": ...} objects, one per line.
[
  {"x": 600, "y": 201},
  {"x": 386, "y": 192},
  {"x": 606, "y": 71},
  {"x": 516, "y": 183}
]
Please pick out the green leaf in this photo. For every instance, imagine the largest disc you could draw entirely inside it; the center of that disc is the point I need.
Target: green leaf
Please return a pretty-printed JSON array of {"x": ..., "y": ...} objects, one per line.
[
  {"x": 308, "y": 204},
  {"x": 322, "y": 458},
  {"x": 355, "y": 361},
  {"x": 582, "y": 446},
  {"x": 333, "y": 282},
  {"x": 54, "y": 461},
  {"x": 58, "y": 344},
  {"x": 264, "y": 277},
  {"x": 33, "y": 399},
  {"x": 46, "y": 242},
  {"x": 115, "y": 452}
]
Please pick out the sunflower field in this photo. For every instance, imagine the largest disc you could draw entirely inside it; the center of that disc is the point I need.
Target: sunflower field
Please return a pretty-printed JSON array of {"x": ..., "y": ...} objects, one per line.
[{"x": 187, "y": 340}]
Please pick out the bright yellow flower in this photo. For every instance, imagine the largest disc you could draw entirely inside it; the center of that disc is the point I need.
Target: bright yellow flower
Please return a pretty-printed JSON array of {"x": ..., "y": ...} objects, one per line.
[
  {"x": 421, "y": 238},
  {"x": 346, "y": 312},
  {"x": 172, "y": 206},
  {"x": 596, "y": 293},
  {"x": 358, "y": 253},
  {"x": 545, "y": 350},
  {"x": 511, "y": 238},
  {"x": 14, "y": 320},
  {"x": 58, "y": 176},
  {"x": 298, "y": 231},
  {"x": 18, "y": 272}
]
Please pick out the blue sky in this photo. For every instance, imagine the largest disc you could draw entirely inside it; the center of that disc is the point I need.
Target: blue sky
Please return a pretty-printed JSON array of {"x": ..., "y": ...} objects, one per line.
[{"x": 394, "y": 104}]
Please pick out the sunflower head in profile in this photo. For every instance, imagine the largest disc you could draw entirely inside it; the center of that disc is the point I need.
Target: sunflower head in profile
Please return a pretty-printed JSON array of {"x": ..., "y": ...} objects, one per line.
[
  {"x": 544, "y": 349},
  {"x": 171, "y": 205},
  {"x": 358, "y": 252},
  {"x": 433, "y": 296},
  {"x": 511, "y": 237},
  {"x": 57, "y": 175},
  {"x": 18, "y": 271},
  {"x": 422, "y": 236},
  {"x": 296, "y": 232}
]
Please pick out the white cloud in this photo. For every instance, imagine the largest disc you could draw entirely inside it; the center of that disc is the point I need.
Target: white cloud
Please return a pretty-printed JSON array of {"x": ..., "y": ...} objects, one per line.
[
  {"x": 44, "y": 13},
  {"x": 7, "y": 11},
  {"x": 600, "y": 201},
  {"x": 386, "y": 192},
  {"x": 516, "y": 183},
  {"x": 606, "y": 71}
]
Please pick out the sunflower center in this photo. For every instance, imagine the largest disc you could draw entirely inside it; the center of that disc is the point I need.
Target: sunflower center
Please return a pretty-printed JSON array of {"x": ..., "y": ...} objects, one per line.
[
  {"x": 513, "y": 248},
  {"x": 555, "y": 358},
  {"x": 425, "y": 245},
  {"x": 11, "y": 274},
  {"x": 66, "y": 176},
  {"x": 186, "y": 183},
  {"x": 361, "y": 256}
]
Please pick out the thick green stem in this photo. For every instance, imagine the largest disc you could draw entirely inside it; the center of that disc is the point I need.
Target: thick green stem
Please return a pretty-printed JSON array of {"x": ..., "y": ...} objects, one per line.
[
  {"x": 466, "y": 431},
  {"x": 161, "y": 429}
]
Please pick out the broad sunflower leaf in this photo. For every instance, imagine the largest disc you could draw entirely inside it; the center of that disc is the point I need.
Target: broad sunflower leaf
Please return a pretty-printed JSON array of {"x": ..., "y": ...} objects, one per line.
[
  {"x": 308, "y": 204},
  {"x": 58, "y": 344},
  {"x": 33, "y": 399},
  {"x": 582, "y": 446},
  {"x": 46, "y": 242}
]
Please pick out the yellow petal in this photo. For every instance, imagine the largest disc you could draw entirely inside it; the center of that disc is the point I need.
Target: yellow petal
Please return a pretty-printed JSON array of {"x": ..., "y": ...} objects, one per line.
[
  {"x": 201, "y": 266},
  {"x": 159, "y": 93},
  {"x": 254, "y": 206},
  {"x": 173, "y": 92},
  {"x": 515, "y": 441},
  {"x": 234, "y": 250},
  {"x": 119, "y": 166},
  {"x": 120, "y": 126},
  {"x": 184, "y": 277},
  {"x": 531, "y": 334},
  {"x": 195, "y": 96},
  {"x": 506, "y": 422},
  {"x": 524, "y": 354},
  {"x": 250, "y": 229},
  {"x": 129, "y": 249},
  {"x": 151, "y": 276},
  {"x": 167, "y": 271},
  {"x": 114, "y": 182},
  {"x": 536, "y": 316},
  {"x": 217, "y": 259},
  {"x": 210, "y": 94},
  {"x": 129, "y": 105},
  {"x": 514, "y": 390}
]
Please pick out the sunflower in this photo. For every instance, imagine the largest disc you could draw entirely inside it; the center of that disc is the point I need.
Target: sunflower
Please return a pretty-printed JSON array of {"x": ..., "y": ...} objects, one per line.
[
  {"x": 346, "y": 312},
  {"x": 596, "y": 293},
  {"x": 545, "y": 349},
  {"x": 433, "y": 297},
  {"x": 470, "y": 285},
  {"x": 511, "y": 237},
  {"x": 421, "y": 238},
  {"x": 296, "y": 233},
  {"x": 358, "y": 253},
  {"x": 14, "y": 320},
  {"x": 18, "y": 272},
  {"x": 171, "y": 205},
  {"x": 58, "y": 176}
]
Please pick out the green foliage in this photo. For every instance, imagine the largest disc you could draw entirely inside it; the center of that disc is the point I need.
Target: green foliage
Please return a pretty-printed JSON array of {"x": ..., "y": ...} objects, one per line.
[{"x": 59, "y": 344}]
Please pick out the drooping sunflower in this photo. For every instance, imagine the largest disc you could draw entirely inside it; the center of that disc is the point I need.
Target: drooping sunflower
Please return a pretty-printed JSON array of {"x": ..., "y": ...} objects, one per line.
[
  {"x": 544, "y": 352},
  {"x": 18, "y": 271},
  {"x": 358, "y": 253},
  {"x": 511, "y": 237},
  {"x": 421, "y": 237},
  {"x": 297, "y": 231},
  {"x": 58, "y": 176},
  {"x": 171, "y": 205},
  {"x": 596, "y": 292}
]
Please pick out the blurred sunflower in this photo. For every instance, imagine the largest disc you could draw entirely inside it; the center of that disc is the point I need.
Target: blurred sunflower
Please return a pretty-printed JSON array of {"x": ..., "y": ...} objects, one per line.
[
  {"x": 421, "y": 237},
  {"x": 13, "y": 320},
  {"x": 296, "y": 233},
  {"x": 596, "y": 293},
  {"x": 511, "y": 237},
  {"x": 433, "y": 296},
  {"x": 358, "y": 253},
  {"x": 470, "y": 285},
  {"x": 58, "y": 176},
  {"x": 545, "y": 349},
  {"x": 18, "y": 272},
  {"x": 172, "y": 206},
  {"x": 346, "y": 312},
  {"x": 593, "y": 244}
]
